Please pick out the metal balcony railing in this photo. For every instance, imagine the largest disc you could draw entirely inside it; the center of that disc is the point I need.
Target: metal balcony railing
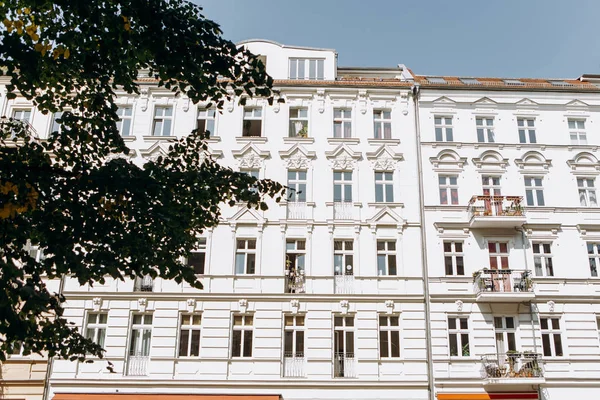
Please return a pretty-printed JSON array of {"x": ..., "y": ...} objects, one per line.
[
  {"x": 143, "y": 284},
  {"x": 295, "y": 281},
  {"x": 496, "y": 206},
  {"x": 296, "y": 210},
  {"x": 342, "y": 210},
  {"x": 293, "y": 366},
  {"x": 344, "y": 365},
  {"x": 512, "y": 365},
  {"x": 137, "y": 365},
  {"x": 502, "y": 281},
  {"x": 344, "y": 284}
]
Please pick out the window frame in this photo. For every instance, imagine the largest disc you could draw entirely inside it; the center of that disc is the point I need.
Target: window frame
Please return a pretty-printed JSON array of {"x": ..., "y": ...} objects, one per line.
[
  {"x": 15, "y": 110},
  {"x": 303, "y": 120},
  {"x": 294, "y": 72},
  {"x": 388, "y": 255},
  {"x": 446, "y": 130},
  {"x": 525, "y": 130},
  {"x": 344, "y": 183},
  {"x": 492, "y": 184},
  {"x": 485, "y": 130},
  {"x": 295, "y": 330},
  {"x": 247, "y": 251},
  {"x": 99, "y": 328},
  {"x": 448, "y": 188},
  {"x": 200, "y": 248},
  {"x": 385, "y": 185},
  {"x": 249, "y": 119},
  {"x": 142, "y": 328},
  {"x": 593, "y": 256},
  {"x": 587, "y": 191},
  {"x": 460, "y": 333},
  {"x": 123, "y": 116},
  {"x": 297, "y": 185},
  {"x": 346, "y": 254},
  {"x": 506, "y": 333},
  {"x": 162, "y": 119},
  {"x": 534, "y": 190},
  {"x": 344, "y": 122},
  {"x": 388, "y": 330},
  {"x": 243, "y": 328},
  {"x": 552, "y": 333},
  {"x": 298, "y": 251},
  {"x": 453, "y": 256},
  {"x": 203, "y": 114},
  {"x": 544, "y": 257},
  {"x": 191, "y": 328},
  {"x": 382, "y": 124},
  {"x": 577, "y": 134}
]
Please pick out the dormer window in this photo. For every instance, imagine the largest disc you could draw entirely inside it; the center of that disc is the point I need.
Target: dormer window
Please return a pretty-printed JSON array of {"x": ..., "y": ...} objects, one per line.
[{"x": 307, "y": 68}]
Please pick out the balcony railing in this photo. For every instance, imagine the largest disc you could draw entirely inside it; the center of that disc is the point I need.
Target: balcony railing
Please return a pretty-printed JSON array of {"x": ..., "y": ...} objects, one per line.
[
  {"x": 137, "y": 365},
  {"x": 344, "y": 365},
  {"x": 344, "y": 284},
  {"x": 512, "y": 365},
  {"x": 502, "y": 281},
  {"x": 296, "y": 210},
  {"x": 295, "y": 281},
  {"x": 293, "y": 366},
  {"x": 143, "y": 284},
  {"x": 496, "y": 206},
  {"x": 342, "y": 210}
]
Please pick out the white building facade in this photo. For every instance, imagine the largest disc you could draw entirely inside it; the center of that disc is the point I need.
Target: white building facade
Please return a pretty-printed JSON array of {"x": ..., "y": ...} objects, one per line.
[{"x": 424, "y": 253}]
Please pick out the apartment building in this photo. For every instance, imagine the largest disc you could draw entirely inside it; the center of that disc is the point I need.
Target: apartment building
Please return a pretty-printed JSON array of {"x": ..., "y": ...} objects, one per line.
[{"x": 441, "y": 241}]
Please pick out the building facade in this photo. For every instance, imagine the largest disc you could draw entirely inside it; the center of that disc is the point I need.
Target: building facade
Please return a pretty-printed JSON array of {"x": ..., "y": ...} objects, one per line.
[{"x": 423, "y": 251}]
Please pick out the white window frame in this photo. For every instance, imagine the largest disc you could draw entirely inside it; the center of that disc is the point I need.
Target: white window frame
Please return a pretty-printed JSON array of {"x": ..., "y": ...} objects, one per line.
[
  {"x": 311, "y": 68},
  {"x": 552, "y": 333},
  {"x": 344, "y": 121},
  {"x": 297, "y": 249},
  {"x": 298, "y": 122},
  {"x": 346, "y": 330},
  {"x": 485, "y": 129},
  {"x": 384, "y": 185},
  {"x": 386, "y": 252},
  {"x": 391, "y": 332},
  {"x": 96, "y": 326},
  {"x": 55, "y": 126},
  {"x": 593, "y": 251},
  {"x": 209, "y": 117},
  {"x": 247, "y": 251},
  {"x": 542, "y": 256},
  {"x": 343, "y": 180},
  {"x": 139, "y": 329},
  {"x": 295, "y": 329},
  {"x": 125, "y": 122},
  {"x": 443, "y": 128},
  {"x": 297, "y": 182},
  {"x": 526, "y": 128},
  {"x": 382, "y": 124},
  {"x": 16, "y": 110},
  {"x": 491, "y": 184},
  {"x": 343, "y": 249},
  {"x": 453, "y": 256},
  {"x": 587, "y": 191},
  {"x": 459, "y": 332},
  {"x": 163, "y": 115},
  {"x": 246, "y": 327},
  {"x": 577, "y": 131},
  {"x": 535, "y": 191},
  {"x": 192, "y": 324},
  {"x": 252, "y": 114},
  {"x": 200, "y": 248},
  {"x": 449, "y": 188},
  {"x": 506, "y": 333}
]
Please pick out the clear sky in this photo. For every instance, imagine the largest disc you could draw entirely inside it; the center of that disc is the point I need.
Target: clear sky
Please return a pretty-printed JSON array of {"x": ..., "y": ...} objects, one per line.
[{"x": 497, "y": 38}]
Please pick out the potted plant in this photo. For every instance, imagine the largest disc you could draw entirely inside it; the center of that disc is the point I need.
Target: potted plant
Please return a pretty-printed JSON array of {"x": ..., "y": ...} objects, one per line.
[{"x": 303, "y": 133}]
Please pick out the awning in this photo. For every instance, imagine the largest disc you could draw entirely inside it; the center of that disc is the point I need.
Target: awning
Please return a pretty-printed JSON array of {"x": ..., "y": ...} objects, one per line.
[
  {"x": 488, "y": 396},
  {"x": 134, "y": 396}
]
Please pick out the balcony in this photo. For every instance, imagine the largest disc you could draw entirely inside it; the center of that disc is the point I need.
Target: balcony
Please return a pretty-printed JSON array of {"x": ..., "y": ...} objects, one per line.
[
  {"x": 342, "y": 210},
  {"x": 295, "y": 281},
  {"x": 503, "y": 285},
  {"x": 296, "y": 210},
  {"x": 143, "y": 284},
  {"x": 293, "y": 366},
  {"x": 344, "y": 365},
  {"x": 344, "y": 284},
  {"x": 513, "y": 368},
  {"x": 496, "y": 212},
  {"x": 137, "y": 366}
]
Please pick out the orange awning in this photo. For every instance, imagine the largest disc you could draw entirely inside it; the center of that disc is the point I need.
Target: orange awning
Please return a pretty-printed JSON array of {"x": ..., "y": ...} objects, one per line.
[{"x": 133, "y": 396}]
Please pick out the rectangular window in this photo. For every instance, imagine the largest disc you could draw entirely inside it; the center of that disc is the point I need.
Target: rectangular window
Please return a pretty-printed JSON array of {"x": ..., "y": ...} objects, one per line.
[
  {"x": 551, "y": 337},
  {"x": 542, "y": 259},
  {"x": 255, "y": 173},
  {"x": 241, "y": 345},
  {"x": 526, "y": 130},
  {"x": 252, "y": 125},
  {"x": 22, "y": 114},
  {"x": 206, "y": 121},
  {"x": 245, "y": 257},
  {"x": 593, "y": 250},
  {"x": 389, "y": 336},
  {"x": 163, "y": 117},
  {"x": 197, "y": 258},
  {"x": 96, "y": 327},
  {"x": 386, "y": 257},
  {"x": 443, "y": 129},
  {"x": 295, "y": 254},
  {"x": 587, "y": 192},
  {"x": 505, "y": 334},
  {"x": 343, "y": 256},
  {"x": 299, "y": 122},
  {"x": 57, "y": 126},
  {"x": 124, "y": 122},
  {"x": 577, "y": 131},
  {"x": 307, "y": 68},
  {"x": 293, "y": 343},
  {"x": 343, "y": 346},
  {"x": 534, "y": 191},
  {"x": 382, "y": 123},
  {"x": 342, "y": 123},
  {"x": 448, "y": 189},
  {"x": 141, "y": 335},
  {"x": 384, "y": 187},
  {"x": 342, "y": 186},
  {"x": 458, "y": 336},
  {"x": 485, "y": 129},
  {"x": 491, "y": 185},
  {"x": 297, "y": 186},
  {"x": 189, "y": 335},
  {"x": 453, "y": 258}
]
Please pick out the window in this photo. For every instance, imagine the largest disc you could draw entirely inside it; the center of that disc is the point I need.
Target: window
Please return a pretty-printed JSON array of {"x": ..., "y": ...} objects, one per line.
[
  {"x": 498, "y": 256},
  {"x": 17, "y": 348},
  {"x": 513, "y": 82},
  {"x": 189, "y": 335},
  {"x": 342, "y": 186},
  {"x": 57, "y": 126},
  {"x": 297, "y": 186},
  {"x": 252, "y": 126},
  {"x": 542, "y": 259},
  {"x": 587, "y": 192},
  {"x": 293, "y": 336},
  {"x": 343, "y": 342},
  {"x": 448, "y": 189},
  {"x": 453, "y": 258},
  {"x": 307, "y": 68},
  {"x": 255, "y": 173},
  {"x": 443, "y": 129},
  {"x": 551, "y": 336},
  {"x": 382, "y": 123},
  {"x": 389, "y": 336},
  {"x": 124, "y": 122},
  {"x": 162, "y": 121},
  {"x": 577, "y": 131},
  {"x": 434, "y": 79},
  {"x": 386, "y": 257},
  {"x": 245, "y": 257},
  {"x": 22, "y": 114},
  {"x": 241, "y": 345},
  {"x": 470, "y": 81},
  {"x": 295, "y": 252},
  {"x": 485, "y": 129},
  {"x": 593, "y": 250},
  {"x": 343, "y": 255},
  {"x": 197, "y": 258},
  {"x": 491, "y": 185},
  {"x": 534, "y": 191},
  {"x": 526, "y": 130},
  {"x": 384, "y": 187},
  {"x": 141, "y": 334},
  {"x": 505, "y": 334},
  {"x": 342, "y": 123},
  {"x": 299, "y": 122},
  {"x": 458, "y": 336},
  {"x": 206, "y": 121},
  {"x": 96, "y": 328}
]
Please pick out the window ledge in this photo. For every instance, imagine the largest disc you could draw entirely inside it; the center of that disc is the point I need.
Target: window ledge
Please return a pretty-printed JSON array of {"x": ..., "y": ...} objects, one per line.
[
  {"x": 355, "y": 204},
  {"x": 213, "y": 139},
  {"x": 151, "y": 137},
  {"x": 298, "y": 139},
  {"x": 129, "y": 138},
  {"x": 383, "y": 141},
  {"x": 255, "y": 139},
  {"x": 383, "y": 204},
  {"x": 343, "y": 140},
  {"x": 308, "y": 203}
]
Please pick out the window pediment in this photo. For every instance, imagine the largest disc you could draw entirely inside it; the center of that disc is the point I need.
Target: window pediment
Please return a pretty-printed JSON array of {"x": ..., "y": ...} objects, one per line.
[
  {"x": 491, "y": 160},
  {"x": 384, "y": 158},
  {"x": 448, "y": 160},
  {"x": 343, "y": 157},
  {"x": 297, "y": 157},
  {"x": 250, "y": 156},
  {"x": 533, "y": 162},
  {"x": 584, "y": 163}
]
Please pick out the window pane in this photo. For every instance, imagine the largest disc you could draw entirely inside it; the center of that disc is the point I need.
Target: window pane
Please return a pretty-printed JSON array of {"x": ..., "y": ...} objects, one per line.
[
  {"x": 453, "y": 344},
  {"x": 288, "y": 343},
  {"x": 383, "y": 344},
  {"x": 300, "y": 344},
  {"x": 546, "y": 344},
  {"x": 195, "y": 345},
  {"x": 236, "y": 345},
  {"x": 395, "y": 343},
  {"x": 558, "y": 345},
  {"x": 248, "y": 344}
]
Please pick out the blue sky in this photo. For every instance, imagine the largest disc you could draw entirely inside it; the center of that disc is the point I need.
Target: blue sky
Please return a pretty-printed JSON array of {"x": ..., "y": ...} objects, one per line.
[{"x": 503, "y": 38}]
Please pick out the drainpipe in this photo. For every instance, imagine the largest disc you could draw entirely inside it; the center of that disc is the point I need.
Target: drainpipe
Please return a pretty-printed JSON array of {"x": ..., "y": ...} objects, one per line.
[
  {"x": 46, "y": 394},
  {"x": 427, "y": 306}
]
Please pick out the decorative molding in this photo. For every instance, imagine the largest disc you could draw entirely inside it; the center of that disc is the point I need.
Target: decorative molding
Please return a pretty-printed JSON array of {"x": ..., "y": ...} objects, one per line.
[
  {"x": 491, "y": 160},
  {"x": 191, "y": 305},
  {"x": 344, "y": 306},
  {"x": 294, "y": 305},
  {"x": 297, "y": 157},
  {"x": 386, "y": 217},
  {"x": 584, "y": 163},
  {"x": 97, "y": 303},
  {"x": 533, "y": 162},
  {"x": 389, "y": 304},
  {"x": 551, "y": 306},
  {"x": 142, "y": 304},
  {"x": 384, "y": 158},
  {"x": 448, "y": 160},
  {"x": 251, "y": 157},
  {"x": 144, "y": 94},
  {"x": 320, "y": 99},
  {"x": 363, "y": 98},
  {"x": 186, "y": 103},
  {"x": 343, "y": 157},
  {"x": 526, "y": 103},
  {"x": 459, "y": 305},
  {"x": 243, "y": 306}
]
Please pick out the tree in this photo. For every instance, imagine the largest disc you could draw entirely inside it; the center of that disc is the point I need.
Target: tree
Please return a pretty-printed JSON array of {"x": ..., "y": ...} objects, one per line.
[{"x": 92, "y": 214}]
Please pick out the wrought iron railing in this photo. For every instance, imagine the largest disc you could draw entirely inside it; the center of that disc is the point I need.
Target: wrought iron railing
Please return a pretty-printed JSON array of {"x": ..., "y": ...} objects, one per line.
[
  {"x": 512, "y": 365},
  {"x": 344, "y": 365},
  {"x": 295, "y": 281},
  {"x": 137, "y": 365},
  {"x": 293, "y": 366},
  {"x": 495, "y": 206},
  {"x": 502, "y": 281},
  {"x": 144, "y": 284}
]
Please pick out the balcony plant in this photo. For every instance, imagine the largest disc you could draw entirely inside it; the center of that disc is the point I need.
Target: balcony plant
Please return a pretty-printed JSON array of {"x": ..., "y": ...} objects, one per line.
[{"x": 303, "y": 133}]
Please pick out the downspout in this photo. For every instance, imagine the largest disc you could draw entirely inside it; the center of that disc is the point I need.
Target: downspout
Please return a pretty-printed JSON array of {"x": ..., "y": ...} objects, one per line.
[
  {"x": 46, "y": 394},
  {"x": 430, "y": 379}
]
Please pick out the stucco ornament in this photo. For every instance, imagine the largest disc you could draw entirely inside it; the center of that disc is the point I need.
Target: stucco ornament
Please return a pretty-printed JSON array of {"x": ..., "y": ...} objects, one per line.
[{"x": 251, "y": 161}]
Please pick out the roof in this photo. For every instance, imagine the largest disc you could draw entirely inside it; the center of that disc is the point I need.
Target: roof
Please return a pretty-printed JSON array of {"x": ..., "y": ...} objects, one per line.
[
  {"x": 455, "y": 82},
  {"x": 243, "y": 42}
]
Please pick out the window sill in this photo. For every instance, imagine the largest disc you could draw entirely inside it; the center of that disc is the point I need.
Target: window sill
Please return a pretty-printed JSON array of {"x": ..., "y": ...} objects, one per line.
[
  {"x": 128, "y": 138},
  {"x": 253, "y": 139},
  {"x": 308, "y": 203},
  {"x": 383, "y": 204},
  {"x": 383, "y": 141},
  {"x": 160, "y": 138},
  {"x": 213, "y": 139},
  {"x": 355, "y": 204},
  {"x": 343, "y": 140},
  {"x": 288, "y": 140}
]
